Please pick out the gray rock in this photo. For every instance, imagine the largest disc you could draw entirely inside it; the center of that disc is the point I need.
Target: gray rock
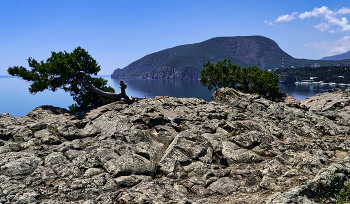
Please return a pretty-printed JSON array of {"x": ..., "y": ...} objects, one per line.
[
  {"x": 129, "y": 181},
  {"x": 51, "y": 140},
  {"x": 197, "y": 168},
  {"x": 84, "y": 194},
  {"x": 326, "y": 179},
  {"x": 200, "y": 190},
  {"x": 71, "y": 132},
  {"x": 21, "y": 167},
  {"x": 267, "y": 181},
  {"x": 183, "y": 149},
  {"x": 178, "y": 153},
  {"x": 149, "y": 150},
  {"x": 10, "y": 187},
  {"x": 216, "y": 139},
  {"x": 171, "y": 168},
  {"x": 252, "y": 139},
  {"x": 33, "y": 181},
  {"x": 93, "y": 172},
  {"x": 5, "y": 149},
  {"x": 136, "y": 136},
  {"x": 14, "y": 146},
  {"x": 129, "y": 164},
  {"x": 205, "y": 201},
  {"x": 22, "y": 135},
  {"x": 163, "y": 134},
  {"x": 27, "y": 197},
  {"x": 56, "y": 158},
  {"x": 67, "y": 171},
  {"x": 224, "y": 186},
  {"x": 234, "y": 154},
  {"x": 102, "y": 155},
  {"x": 156, "y": 191}
]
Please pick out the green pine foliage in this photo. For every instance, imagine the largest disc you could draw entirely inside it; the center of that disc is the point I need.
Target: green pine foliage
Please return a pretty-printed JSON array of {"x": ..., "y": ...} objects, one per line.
[
  {"x": 60, "y": 72},
  {"x": 247, "y": 79}
]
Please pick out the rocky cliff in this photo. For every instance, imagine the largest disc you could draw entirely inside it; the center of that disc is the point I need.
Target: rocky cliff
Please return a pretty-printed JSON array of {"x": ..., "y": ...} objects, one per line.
[{"x": 238, "y": 148}]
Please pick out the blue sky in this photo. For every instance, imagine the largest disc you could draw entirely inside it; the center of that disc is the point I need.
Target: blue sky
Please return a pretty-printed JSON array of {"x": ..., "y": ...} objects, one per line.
[{"x": 119, "y": 32}]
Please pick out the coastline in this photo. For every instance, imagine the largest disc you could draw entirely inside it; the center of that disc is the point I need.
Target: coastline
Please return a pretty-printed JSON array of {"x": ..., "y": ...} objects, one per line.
[
  {"x": 322, "y": 83},
  {"x": 22, "y": 102}
]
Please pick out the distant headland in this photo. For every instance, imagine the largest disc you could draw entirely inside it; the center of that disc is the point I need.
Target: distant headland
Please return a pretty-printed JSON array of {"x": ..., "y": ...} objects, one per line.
[{"x": 186, "y": 61}]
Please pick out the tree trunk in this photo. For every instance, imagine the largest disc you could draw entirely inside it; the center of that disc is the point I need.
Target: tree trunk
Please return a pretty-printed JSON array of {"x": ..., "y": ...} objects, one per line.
[{"x": 114, "y": 96}]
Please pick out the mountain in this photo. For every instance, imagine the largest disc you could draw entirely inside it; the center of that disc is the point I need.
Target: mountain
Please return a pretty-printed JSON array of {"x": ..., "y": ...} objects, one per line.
[
  {"x": 185, "y": 61},
  {"x": 343, "y": 56}
]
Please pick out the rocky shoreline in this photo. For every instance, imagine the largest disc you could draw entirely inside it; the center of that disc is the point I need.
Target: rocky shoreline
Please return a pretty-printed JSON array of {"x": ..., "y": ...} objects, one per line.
[{"x": 238, "y": 148}]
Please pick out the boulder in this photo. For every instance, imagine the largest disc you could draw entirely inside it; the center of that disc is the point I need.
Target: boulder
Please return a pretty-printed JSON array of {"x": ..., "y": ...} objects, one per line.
[
  {"x": 234, "y": 154},
  {"x": 224, "y": 186},
  {"x": 129, "y": 164},
  {"x": 21, "y": 167}
]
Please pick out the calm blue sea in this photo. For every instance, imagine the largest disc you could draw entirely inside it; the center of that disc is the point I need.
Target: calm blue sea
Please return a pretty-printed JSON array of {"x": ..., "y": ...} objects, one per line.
[{"x": 16, "y": 100}]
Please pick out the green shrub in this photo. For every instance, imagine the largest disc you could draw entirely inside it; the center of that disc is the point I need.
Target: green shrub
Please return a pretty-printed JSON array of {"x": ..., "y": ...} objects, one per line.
[
  {"x": 339, "y": 192},
  {"x": 247, "y": 79}
]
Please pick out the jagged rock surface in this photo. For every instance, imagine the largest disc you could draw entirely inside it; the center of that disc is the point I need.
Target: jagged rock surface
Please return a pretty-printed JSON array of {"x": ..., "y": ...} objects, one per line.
[{"x": 238, "y": 148}]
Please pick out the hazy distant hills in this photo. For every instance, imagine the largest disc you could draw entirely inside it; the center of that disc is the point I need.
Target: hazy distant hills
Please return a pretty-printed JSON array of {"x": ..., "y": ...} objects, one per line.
[
  {"x": 185, "y": 61},
  {"x": 338, "y": 57}
]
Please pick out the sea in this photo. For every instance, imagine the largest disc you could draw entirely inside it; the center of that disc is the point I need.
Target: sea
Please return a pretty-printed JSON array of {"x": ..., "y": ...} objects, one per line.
[{"x": 16, "y": 100}]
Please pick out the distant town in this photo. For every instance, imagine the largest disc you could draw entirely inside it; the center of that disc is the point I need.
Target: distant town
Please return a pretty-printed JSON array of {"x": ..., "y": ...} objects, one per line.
[{"x": 338, "y": 74}]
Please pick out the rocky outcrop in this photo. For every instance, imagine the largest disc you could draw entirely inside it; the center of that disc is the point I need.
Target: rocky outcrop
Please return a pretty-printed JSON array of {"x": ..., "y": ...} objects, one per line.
[{"x": 238, "y": 148}]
